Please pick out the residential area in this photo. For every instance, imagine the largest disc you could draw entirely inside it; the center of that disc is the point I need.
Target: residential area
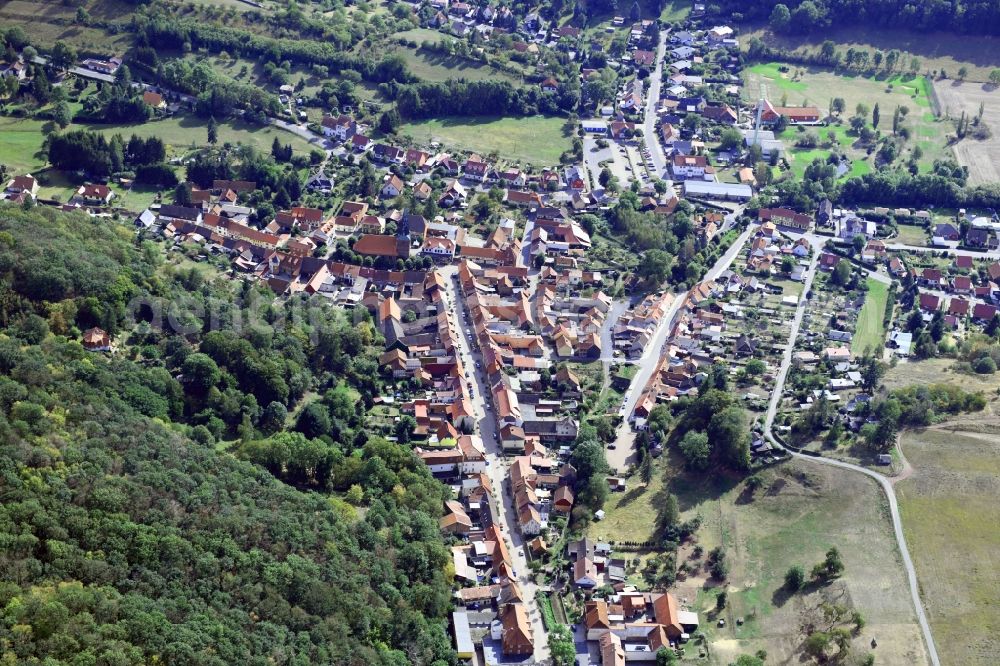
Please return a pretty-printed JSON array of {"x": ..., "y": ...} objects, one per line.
[{"x": 650, "y": 314}]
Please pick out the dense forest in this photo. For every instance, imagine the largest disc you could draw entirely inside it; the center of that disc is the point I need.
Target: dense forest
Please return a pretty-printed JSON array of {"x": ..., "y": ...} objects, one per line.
[
  {"x": 136, "y": 524},
  {"x": 966, "y": 16}
]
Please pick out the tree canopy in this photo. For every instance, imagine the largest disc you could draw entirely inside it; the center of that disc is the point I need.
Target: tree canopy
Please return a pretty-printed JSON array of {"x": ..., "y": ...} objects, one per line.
[{"x": 153, "y": 513}]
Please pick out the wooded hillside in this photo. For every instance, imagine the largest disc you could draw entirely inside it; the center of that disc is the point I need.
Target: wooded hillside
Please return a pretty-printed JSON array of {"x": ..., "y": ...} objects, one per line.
[{"x": 131, "y": 531}]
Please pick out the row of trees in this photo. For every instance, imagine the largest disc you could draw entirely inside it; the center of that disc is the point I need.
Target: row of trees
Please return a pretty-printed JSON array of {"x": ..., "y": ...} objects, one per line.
[
  {"x": 101, "y": 157},
  {"x": 166, "y": 32},
  {"x": 964, "y": 16}
]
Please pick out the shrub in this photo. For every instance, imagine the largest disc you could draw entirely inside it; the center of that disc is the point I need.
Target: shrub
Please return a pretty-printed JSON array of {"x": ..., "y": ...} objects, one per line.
[
  {"x": 985, "y": 366},
  {"x": 794, "y": 578}
]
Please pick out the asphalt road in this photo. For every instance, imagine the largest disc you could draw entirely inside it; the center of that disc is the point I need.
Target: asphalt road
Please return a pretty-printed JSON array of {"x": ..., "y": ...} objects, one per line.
[
  {"x": 897, "y": 523},
  {"x": 621, "y": 454},
  {"x": 649, "y": 122},
  {"x": 786, "y": 360}
]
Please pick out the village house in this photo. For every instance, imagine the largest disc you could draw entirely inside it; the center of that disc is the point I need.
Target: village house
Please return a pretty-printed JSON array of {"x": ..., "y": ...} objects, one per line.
[
  {"x": 154, "y": 100},
  {"x": 341, "y": 128},
  {"x": 25, "y": 184},
  {"x": 795, "y": 115},
  {"x": 786, "y": 218},
  {"x": 392, "y": 186},
  {"x": 945, "y": 234},
  {"x": 93, "y": 195},
  {"x": 96, "y": 340},
  {"x": 686, "y": 167}
]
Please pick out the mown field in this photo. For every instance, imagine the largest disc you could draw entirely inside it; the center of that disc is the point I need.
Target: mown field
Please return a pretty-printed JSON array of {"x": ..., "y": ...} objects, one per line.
[
  {"x": 799, "y": 512},
  {"x": 537, "y": 140},
  {"x": 950, "y": 516},
  {"x": 912, "y": 235},
  {"x": 816, "y": 86},
  {"x": 869, "y": 334}
]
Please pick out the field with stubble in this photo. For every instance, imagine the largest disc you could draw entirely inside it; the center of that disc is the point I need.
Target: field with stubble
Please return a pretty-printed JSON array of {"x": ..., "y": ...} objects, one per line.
[
  {"x": 982, "y": 157},
  {"x": 950, "y": 515}
]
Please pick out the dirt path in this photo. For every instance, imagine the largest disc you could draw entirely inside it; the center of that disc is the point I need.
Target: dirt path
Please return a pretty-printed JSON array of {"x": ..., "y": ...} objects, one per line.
[{"x": 907, "y": 470}]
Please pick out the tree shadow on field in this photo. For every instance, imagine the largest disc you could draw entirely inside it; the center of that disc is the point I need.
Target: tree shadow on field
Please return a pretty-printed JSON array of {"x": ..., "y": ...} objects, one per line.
[{"x": 633, "y": 494}]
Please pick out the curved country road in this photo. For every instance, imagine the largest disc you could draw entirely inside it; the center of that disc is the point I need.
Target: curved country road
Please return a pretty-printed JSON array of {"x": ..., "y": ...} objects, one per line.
[
  {"x": 897, "y": 526},
  {"x": 883, "y": 481}
]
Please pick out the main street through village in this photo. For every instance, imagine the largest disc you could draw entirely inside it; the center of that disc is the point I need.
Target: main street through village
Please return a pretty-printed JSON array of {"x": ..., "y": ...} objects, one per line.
[{"x": 496, "y": 461}]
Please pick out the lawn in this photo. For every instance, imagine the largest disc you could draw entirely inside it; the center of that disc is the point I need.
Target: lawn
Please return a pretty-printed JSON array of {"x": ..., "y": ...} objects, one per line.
[
  {"x": 950, "y": 517},
  {"x": 538, "y": 140},
  {"x": 911, "y": 234},
  {"x": 799, "y": 85},
  {"x": 675, "y": 10},
  {"x": 799, "y": 511},
  {"x": 869, "y": 333}
]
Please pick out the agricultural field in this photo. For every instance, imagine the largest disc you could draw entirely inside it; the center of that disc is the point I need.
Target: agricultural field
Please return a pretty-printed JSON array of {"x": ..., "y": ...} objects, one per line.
[
  {"x": 950, "y": 515},
  {"x": 869, "y": 333},
  {"x": 536, "y": 140},
  {"x": 979, "y": 156},
  {"x": 937, "y": 52},
  {"x": 817, "y": 86},
  {"x": 799, "y": 511}
]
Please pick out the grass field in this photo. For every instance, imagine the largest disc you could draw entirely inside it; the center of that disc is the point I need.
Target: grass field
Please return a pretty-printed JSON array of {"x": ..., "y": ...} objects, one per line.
[
  {"x": 420, "y": 35},
  {"x": 799, "y": 512},
  {"x": 46, "y": 22},
  {"x": 537, "y": 140},
  {"x": 912, "y": 235},
  {"x": 950, "y": 517},
  {"x": 20, "y": 141},
  {"x": 183, "y": 132},
  {"x": 869, "y": 334},
  {"x": 939, "y": 370},
  {"x": 431, "y": 66},
  {"x": 816, "y": 86},
  {"x": 936, "y": 51},
  {"x": 21, "y": 138}
]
